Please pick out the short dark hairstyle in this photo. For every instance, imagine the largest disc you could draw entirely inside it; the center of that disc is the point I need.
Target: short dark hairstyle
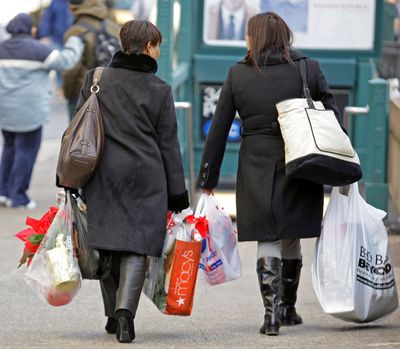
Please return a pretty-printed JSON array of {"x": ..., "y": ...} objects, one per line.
[
  {"x": 136, "y": 34},
  {"x": 268, "y": 31}
]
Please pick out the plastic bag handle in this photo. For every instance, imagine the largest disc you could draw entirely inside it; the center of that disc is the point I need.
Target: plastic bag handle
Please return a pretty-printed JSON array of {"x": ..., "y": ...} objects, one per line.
[{"x": 201, "y": 206}]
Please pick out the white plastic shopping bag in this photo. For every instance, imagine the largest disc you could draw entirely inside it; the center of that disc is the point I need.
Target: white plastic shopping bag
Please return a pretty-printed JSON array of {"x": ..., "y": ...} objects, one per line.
[
  {"x": 220, "y": 259},
  {"x": 352, "y": 274},
  {"x": 54, "y": 272}
]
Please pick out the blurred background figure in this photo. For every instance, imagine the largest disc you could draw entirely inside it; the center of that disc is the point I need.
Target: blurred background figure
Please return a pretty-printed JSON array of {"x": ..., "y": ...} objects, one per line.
[
  {"x": 89, "y": 16},
  {"x": 3, "y": 33},
  {"x": 56, "y": 20},
  {"x": 142, "y": 9},
  {"x": 25, "y": 95},
  {"x": 228, "y": 20},
  {"x": 110, "y": 7}
]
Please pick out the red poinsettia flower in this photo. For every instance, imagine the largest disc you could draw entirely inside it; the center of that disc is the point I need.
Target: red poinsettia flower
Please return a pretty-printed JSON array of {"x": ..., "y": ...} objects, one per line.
[
  {"x": 24, "y": 234},
  {"x": 33, "y": 236}
]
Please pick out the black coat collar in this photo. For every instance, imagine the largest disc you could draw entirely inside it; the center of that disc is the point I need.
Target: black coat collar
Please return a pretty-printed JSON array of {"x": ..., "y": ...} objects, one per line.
[
  {"x": 274, "y": 57},
  {"x": 142, "y": 62}
]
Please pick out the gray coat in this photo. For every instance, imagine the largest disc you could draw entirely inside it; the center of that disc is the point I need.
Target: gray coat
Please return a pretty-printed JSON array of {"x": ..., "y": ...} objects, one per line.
[
  {"x": 270, "y": 205},
  {"x": 140, "y": 175}
]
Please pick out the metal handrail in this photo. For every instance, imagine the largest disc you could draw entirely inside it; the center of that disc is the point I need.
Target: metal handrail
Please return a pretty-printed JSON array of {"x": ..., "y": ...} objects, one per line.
[
  {"x": 350, "y": 110},
  {"x": 187, "y": 107}
]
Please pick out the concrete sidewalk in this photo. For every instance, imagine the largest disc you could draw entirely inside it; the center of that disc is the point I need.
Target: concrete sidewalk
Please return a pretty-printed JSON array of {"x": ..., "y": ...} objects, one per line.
[{"x": 224, "y": 316}]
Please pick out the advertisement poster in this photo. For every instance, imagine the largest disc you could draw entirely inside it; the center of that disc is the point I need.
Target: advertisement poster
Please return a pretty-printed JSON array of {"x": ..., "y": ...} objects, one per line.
[
  {"x": 316, "y": 24},
  {"x": 209, "y": 98}
]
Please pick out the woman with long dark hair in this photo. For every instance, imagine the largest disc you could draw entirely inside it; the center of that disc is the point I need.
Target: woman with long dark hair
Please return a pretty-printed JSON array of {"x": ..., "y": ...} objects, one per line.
[
  {"x": 140, "y": 175},
  {"x": 272, "y": 209}
]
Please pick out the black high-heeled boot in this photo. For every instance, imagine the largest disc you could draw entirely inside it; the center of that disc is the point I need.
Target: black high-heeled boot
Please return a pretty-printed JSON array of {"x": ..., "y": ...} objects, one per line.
[
  {"x": 132, "y": 273},
  {"x": 125, "y": 326},
  {"x": 291, "y": 269},
  {"x": 269, "y": 270}
]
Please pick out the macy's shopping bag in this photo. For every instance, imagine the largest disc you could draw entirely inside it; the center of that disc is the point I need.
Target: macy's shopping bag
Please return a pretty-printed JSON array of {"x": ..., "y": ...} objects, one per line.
[
  {"x": 171, "y": 279},
  {"x": 220, "y": 259},
  {"x": 352, "y": 274}
]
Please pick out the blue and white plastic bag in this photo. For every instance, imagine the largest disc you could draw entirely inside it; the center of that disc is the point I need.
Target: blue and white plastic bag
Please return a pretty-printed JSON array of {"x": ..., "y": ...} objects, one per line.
[{"x": 219, "y": 259}]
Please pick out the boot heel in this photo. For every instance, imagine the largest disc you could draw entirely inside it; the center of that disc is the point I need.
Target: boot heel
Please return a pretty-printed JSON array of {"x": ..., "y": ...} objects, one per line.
[
  {"x": 125, "y": 327},
  {"x": 272, "y": 330}
]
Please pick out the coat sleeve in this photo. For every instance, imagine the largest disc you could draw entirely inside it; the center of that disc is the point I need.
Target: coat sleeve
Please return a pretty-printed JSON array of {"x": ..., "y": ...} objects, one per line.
[
  {"x": 215, "y": 144},
  {"x": 167, "y": 131},
  {"x": 67, "y": 57},
  {"x": 324, "y": 94}
]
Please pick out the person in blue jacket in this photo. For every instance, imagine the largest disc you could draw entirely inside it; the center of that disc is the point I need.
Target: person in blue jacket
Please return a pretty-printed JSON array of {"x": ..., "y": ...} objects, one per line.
[
  {"x": 25, "y": 95},
  {"x": 56, "y": 20}
]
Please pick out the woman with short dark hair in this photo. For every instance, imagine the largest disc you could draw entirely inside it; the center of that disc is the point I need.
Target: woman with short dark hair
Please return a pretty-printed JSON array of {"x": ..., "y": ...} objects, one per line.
[
  {"x": 140, "y": 175},
  {"x": 272, "y": 209}
]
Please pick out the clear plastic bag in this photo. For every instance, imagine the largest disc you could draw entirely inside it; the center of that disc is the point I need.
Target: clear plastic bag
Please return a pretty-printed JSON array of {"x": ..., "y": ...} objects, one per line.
[
  {"x": 54, "y": 272},
  {"x": 352, "y": 274},
  {"x": 220, "y": 259},
  {"x": 88, "y": 258}
]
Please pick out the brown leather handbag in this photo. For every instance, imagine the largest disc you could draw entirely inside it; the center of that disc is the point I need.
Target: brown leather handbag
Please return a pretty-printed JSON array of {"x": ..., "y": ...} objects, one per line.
[{"x": 83, "y": 142}]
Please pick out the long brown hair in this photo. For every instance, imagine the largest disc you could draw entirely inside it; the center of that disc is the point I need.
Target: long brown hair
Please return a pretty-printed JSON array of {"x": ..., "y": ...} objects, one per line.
[
  {"x": 267, "y": 31},
  {"x": 136, "y": 34}
]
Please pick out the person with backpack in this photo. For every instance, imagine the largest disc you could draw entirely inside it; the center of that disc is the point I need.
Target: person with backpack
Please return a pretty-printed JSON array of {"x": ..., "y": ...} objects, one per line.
[
  {"x": 100, "y": 35},
  {"x": 25, "y": 96}
]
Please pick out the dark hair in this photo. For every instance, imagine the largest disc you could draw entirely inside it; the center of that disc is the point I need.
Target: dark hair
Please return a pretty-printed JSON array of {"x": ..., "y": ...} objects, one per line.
[
  {"x": 266, "y": 32},
  {"x": 136, "y": 34}
]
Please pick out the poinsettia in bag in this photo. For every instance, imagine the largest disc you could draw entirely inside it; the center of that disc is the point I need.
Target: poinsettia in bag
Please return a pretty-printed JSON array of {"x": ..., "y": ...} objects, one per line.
[
  {"x": 220, "y": 259},
  {"x": 54, "y": 272},
  {"x": 171, "y": 279},
  {"x": 352, "y": 273}
]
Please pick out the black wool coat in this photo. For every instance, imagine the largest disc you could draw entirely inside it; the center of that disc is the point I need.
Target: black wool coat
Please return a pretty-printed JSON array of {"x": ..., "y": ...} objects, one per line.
[
  {"x": 270, "y": 205},
  {"x": 140, "y": 175}
]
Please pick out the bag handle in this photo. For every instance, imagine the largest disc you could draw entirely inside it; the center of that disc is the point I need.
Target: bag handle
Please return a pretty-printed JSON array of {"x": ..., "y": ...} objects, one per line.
[
  {"x": 201, "y": 206},
  {"x": 306, "y": 90},
  {"x": 95, "y": 88}
]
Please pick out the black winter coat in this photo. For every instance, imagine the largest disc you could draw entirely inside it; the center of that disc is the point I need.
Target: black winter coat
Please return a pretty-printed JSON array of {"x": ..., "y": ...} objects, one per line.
[
  {"x": 140, "y": 175},
  {"x": 270, "y": 205}
]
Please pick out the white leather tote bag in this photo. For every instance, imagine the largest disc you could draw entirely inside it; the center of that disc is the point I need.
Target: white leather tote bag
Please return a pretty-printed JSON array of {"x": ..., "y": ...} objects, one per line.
[{"x": 316, "y": 147}]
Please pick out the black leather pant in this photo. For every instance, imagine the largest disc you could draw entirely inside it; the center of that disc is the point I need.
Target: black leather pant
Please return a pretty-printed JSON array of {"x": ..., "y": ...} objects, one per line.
[{"x": 122, "y": 287}]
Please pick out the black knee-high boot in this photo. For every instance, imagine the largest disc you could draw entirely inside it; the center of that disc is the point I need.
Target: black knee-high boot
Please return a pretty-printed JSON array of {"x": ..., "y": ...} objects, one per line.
[
  {"x": 132, "y": 274},
  {"x": 269, "y": 270},
  {"x": 291, "y": 269}
]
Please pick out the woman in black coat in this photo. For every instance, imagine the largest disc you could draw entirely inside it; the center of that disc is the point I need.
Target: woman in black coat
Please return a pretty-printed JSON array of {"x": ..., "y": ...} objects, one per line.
[
  {"x": 273, "y": 209},
  {"x": 140, "y": 175}
]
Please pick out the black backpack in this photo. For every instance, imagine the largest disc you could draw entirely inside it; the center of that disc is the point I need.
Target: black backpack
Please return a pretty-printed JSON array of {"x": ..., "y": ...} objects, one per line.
[{"x": 105, "y": 46}]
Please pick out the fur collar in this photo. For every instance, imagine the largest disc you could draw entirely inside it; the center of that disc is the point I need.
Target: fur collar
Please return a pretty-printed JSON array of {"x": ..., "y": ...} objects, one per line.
[{"x": 142, "y": 62}]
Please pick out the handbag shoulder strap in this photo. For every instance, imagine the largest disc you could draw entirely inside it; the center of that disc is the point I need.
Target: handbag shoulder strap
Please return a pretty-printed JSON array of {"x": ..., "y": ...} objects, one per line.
[
  {"x": 96, "y": 79},
  {"x": 306, "y": 90}
]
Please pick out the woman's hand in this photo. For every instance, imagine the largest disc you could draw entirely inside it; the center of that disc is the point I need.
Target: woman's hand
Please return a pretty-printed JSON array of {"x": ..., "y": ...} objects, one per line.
[{"x": 207, "y": 191}]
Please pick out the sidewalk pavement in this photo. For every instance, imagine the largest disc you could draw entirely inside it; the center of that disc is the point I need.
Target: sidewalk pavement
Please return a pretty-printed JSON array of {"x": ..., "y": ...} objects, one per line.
[{"x": 224, "y": 316}]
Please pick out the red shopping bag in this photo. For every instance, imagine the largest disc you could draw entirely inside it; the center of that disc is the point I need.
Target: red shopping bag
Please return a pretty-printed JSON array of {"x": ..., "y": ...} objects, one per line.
[{"x": 181, "y": 273}]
